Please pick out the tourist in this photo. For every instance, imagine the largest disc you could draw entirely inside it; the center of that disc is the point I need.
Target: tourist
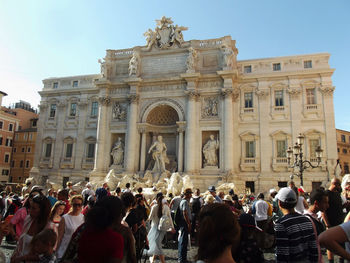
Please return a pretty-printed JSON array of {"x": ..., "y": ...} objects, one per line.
[
  {"x": 248, "y": 250},
  {"x": 131, "y": 217},
  {"x": 260, "y": 210},
  {"x": 98, "y": 242},
  {"x": 17, "y": 221},
  {"x": 101, "y": 191},
  {"x": 319, "y": 203},
  {"x": 127, "y": 188},
  {"x": 90, "y": 203},
  {"x": 228, "y": 201},
  {"x": 41, "y": 248},
  {"x": 218, "y": 234},
  {"x": 34, "y": 223},
  {"x": 71, "y": 221},
  {"x": 62, "y": 195},
  {"x": 69, "y": 186},
  {"x": 118, "y": 191},
  {"x": 55, "y": 219},
  {"x": 212, "y": 191},
  {"x": 196, "y": 203},
  {"x": 302, "y": 203},
  {"x": 87, "y": 192},
  {"x": 185, "y": 226},
  {"x": 334, "y": 215},
  {"x": 155, "y": 235},
  {"x": 51, "y": 196},
  {"x": 276, "y": 212},
  {"x": 209, "y": 199},
  {"x": 26, "y": 189},
  {"x": 295, "y": 237},
  {"x": 141, "y": 195}
]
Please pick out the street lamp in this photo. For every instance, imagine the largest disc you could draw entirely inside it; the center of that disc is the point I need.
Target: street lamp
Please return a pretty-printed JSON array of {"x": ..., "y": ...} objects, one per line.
[{"x": 299, "y": 162}]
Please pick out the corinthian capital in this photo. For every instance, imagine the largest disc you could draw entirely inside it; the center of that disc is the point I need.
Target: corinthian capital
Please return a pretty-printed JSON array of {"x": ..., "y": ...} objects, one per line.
[
  {"x": 327, "y": 90},
  {"x": 262, "y": 94},
  {"x": 104, "y": 100},
  {"x": 294, "y": 91},
  {"x": 133, "y": 98},
  {"x": 192, "y": 94}
]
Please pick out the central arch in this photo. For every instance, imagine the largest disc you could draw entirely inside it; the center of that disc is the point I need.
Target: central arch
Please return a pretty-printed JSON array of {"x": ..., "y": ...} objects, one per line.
[{"x": 163, "y": 102}]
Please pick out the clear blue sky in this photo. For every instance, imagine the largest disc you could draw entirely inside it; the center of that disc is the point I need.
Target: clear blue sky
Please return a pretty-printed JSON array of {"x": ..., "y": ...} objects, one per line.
[{"x": 46, "y": 38}]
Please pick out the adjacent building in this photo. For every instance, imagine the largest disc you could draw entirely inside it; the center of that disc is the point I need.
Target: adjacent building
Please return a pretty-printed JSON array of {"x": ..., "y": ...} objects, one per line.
[
  {"x": 191, "y": 93},
  {"x": 343, "y": 145}
]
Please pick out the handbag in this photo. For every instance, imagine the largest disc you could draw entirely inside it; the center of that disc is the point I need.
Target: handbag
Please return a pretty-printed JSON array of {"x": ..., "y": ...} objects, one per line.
[{"x": 164, "y": 223}]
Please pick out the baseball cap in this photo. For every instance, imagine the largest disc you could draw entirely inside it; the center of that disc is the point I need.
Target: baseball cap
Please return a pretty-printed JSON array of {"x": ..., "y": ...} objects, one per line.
[
  {"x": 273, "y": 190},
  {"x": 286, "y": 195},
  {"x": 212, "y": 188},
  {"x": 247, "y": 220}
]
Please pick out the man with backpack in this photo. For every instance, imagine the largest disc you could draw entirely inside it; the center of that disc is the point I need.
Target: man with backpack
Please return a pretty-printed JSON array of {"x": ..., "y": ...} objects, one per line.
[{"x": 196, "y": 205}]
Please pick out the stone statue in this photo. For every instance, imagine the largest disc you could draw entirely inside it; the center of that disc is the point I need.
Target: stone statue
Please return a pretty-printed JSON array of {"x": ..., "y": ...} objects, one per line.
[
  {"x": 191, "y": 60},
  {"x": 103, "y": 68},
  {"x": 159, "y": 155},
  {"x": 209, "y": 151},
  {"x": 134, "y": 64},
  {"x": 229, "y": 56},
  {"x": 165, "y": 34},
  {"x": 118, "y": 152},
  {"x": 119, "y": 112}
]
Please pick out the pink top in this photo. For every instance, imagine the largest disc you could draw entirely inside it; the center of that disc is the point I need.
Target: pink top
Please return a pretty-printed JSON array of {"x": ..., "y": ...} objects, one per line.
[{"x": 18, "y": 220}]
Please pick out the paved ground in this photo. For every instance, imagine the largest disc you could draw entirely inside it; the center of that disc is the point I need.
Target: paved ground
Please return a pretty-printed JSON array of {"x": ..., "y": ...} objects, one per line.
[{"x": 171, "y": 254}]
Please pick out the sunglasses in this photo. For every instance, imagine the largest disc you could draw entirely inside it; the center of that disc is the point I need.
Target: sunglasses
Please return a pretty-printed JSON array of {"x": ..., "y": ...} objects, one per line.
[
  {"x": 77, "y": 205},
  {"x": 38, "y": 198}
]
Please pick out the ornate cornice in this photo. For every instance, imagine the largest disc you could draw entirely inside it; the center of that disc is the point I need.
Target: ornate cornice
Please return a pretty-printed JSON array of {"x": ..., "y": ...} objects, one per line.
[
  {"x": 262, "y": 94},
  {"x": 229, "y": 92},
  {"x": 133, "y": 98},
  {"x": 62, "y": 104},
  {"x": 105, "y": 101},
  {"x": 294, "y": 91}
]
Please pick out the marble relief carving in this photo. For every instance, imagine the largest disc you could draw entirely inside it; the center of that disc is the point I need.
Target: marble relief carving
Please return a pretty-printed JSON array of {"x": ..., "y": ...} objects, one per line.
[
  {"x": 210, "y": 107},
  {"x": 119, "y": 111}
]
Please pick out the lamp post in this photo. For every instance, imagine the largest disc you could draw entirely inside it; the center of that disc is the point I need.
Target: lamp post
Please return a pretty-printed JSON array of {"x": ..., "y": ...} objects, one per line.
[{"x": 298, "y": 162}]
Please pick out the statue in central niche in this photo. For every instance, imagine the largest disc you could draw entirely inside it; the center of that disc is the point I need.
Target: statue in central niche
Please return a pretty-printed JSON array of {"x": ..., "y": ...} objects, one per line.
[
  {"x": 210, "y": 152},
  {"x": 159, "y": 156}
]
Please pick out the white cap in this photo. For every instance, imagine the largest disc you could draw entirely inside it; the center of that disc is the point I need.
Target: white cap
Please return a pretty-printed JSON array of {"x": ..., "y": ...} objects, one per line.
[
  {"x": 273, "y": 190},
  {"x": 287, "y": 195}
]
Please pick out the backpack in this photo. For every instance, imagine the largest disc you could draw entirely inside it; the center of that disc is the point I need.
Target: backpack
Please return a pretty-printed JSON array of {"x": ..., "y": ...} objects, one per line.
[
  {"x": 164, "y": 223},
  {"x": 318, "y": 225},
  {"x": 196, "y": 205}
]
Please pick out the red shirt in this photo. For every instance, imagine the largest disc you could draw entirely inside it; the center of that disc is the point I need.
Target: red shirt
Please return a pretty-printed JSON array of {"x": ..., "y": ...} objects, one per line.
[
  {"x": 67, "y": 208},
  {"x": 100, "y": 246}
]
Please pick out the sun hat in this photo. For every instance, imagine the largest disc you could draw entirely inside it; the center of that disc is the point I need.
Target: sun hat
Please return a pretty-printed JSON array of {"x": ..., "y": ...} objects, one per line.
[
  {"x": 227, "y": 198},
  {"x": 212, "y": 188}
]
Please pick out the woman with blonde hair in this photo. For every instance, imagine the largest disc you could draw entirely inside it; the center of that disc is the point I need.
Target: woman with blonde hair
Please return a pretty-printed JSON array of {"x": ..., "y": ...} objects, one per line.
[
  {"x": 69, "y": 223},
  {"x": 56, "y": 217}
]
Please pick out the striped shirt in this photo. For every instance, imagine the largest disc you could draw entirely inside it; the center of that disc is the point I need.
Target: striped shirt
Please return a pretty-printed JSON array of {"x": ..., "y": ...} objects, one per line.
[{"x": 295, "y": 239}]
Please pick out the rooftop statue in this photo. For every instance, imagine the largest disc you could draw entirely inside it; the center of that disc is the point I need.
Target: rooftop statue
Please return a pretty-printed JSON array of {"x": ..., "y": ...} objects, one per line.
[{"x": 165, "y": 34}]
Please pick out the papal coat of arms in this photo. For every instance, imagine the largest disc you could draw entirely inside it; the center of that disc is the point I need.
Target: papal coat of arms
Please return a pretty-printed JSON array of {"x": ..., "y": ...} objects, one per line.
[{"x": 165, "y": 34}]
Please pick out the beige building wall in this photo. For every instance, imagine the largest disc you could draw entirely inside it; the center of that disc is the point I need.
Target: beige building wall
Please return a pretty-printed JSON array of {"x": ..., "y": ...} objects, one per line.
[{"x": 343, "y": 148}]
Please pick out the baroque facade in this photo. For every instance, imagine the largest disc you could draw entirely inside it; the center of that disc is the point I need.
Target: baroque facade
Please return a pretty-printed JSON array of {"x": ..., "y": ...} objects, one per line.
[{"x": 194, "y": 94}]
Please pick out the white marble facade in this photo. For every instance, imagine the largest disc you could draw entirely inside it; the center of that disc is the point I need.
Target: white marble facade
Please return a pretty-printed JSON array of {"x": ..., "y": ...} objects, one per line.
[{"x": 185, "y": 91}]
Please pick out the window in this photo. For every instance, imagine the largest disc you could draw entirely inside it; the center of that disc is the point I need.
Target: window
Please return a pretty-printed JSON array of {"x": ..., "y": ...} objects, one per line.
[
  {"x": 10, "y": 127},
  {"x": 310, "y": 96},
  {"x": 250, "y": 185},
  {"x": 7, "y": 158},
  {"x": 314, "y": 143},
  {"x": 13, "y": 163},
  {"x": 48, "y": 150},
  {"x": 23, "y": 149},
  {"x": 69, "y": 150},
  {"x": 25, "y": 136},
  {"x": 308, "y": 64},
  {"x": 34, "y": 123},
  {"x": 29, "y": 149},
  {"x": 73, "y": 109},
  {"x": 27, "y": 164},
  {"x": 338, "y": 150},
  {"x": 343, "y": 138},
  {"x": 281, "y": 148},
  {"x": 91, "y": 150},
  {"x": 279, "y": 98},
  {"x": 346, "y": 168},
  {"x": 21, "y": 164},
  {"x": 282, "y": 184},
  {"x": 16, "y": 137},
  {"x": 276, "y": 66},
  {"x": 75, "y": 83},
  {"x": 316, "y": 185},
  {"x": 5, "y": 172},
  {"x": 345, "y": 151},
  {"x": 1, "y": 124},
  {"x": 52, "y": 110},
  {"x": 1, "y": 140},
  {"x": 55, "y": 85},
  {"x": 94, "y": 108},
  {"x": 248, "y": 69},
  {"x": 8, "y": 142},
  {"x": 248, "y": 100},
  {"x": 250, "y": 149},
  {"x": 30, "y": 136},
  {"x": 14, "y": 149}
]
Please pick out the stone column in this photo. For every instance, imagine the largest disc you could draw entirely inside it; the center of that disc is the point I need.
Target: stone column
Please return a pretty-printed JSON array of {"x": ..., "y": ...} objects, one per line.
[
  {"x": 143, "y": 149},
  {"x": 191, "y": 132},
  {"x": 180, "y": 154},
  {"x": 228, "y": 128},
  {"x": 296, "y": 109},
  {"x": 58, "y": 151},
  {"x": 80, "y": 145},
  {"x": 131, "y": 136},
  {"x": 102, "y": 151}
]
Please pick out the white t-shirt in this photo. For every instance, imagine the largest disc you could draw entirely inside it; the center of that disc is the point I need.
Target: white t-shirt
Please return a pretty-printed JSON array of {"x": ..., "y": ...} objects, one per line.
[
  {"x": 261, "y": 208},
  {"x": 299, "y": 208},
  {"x": 346, "y": 227}
]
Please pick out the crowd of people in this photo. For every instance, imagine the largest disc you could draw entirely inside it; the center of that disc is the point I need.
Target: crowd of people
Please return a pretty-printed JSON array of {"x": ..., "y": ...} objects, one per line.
[{"x": 124, "y": 226}]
